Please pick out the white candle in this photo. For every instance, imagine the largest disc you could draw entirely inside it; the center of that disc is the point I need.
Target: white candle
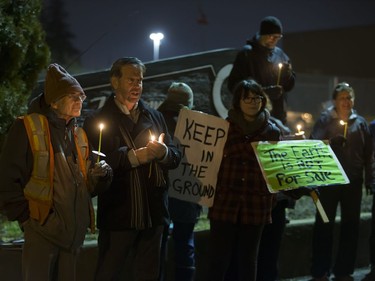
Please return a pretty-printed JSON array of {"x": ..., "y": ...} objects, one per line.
[
  {"x": 101, "y": 126},
  {"x": 279, "y": 74},
  {"x": 345, "y": 124}
]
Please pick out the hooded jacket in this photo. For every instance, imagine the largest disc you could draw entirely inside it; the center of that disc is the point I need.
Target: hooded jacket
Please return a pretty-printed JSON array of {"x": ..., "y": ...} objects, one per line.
[{"x": 115, "y": 206}]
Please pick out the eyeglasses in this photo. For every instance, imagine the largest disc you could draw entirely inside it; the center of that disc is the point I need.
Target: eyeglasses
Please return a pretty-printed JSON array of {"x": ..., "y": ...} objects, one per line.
[
  {"x": 75, "y": 98},
  {"x": 275, "y": 36},
  {"x": 249, "y": 100}
]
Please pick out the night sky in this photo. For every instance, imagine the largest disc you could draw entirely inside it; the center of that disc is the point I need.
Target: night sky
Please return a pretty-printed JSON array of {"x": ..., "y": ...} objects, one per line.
[{"x": 107, "y": 30}]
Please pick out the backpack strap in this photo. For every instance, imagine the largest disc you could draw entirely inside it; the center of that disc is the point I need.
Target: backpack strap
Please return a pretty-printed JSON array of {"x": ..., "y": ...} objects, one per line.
[{"x": 82, "y": 146}]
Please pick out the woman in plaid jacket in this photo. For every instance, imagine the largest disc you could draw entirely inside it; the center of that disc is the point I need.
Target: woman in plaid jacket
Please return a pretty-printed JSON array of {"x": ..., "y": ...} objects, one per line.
[{"x": 242, "y": 204}]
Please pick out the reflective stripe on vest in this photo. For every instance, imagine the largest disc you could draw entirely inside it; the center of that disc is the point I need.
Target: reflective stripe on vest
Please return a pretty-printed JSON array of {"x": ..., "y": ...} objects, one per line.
[{"x": 39, "y": 190}]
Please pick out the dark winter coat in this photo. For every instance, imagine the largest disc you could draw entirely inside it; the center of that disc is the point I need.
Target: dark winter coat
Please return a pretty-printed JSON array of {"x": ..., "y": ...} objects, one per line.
[
  {"x": 115, "y": 205},
  {"x": 354, "y": 153},
  {"x": 257, "y": 62}
]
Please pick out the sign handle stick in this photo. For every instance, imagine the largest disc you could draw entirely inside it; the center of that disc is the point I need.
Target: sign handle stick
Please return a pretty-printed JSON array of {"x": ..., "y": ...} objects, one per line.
[{"x": 319, "y": 206}]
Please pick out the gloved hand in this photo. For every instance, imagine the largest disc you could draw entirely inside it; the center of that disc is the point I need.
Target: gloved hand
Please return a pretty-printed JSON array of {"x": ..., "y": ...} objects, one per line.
[
  {"x": 101, "y": 169},
  {"x": 274, "y": 92},
  {"x": 158, "y": 148},
  {"x": 286, "y": 70},
  {"x": 337, "y": 141}
]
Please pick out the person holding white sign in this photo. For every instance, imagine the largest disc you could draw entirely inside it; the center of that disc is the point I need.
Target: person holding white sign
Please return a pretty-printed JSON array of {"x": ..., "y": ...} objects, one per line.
[
  {"x": 350, "y": 139},
  {"x": 183, "y": 214},
  {"x": 242, "y": 204}
]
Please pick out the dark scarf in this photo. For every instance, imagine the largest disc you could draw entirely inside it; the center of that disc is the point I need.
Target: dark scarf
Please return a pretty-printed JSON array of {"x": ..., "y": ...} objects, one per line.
[
  {"x": 248, "y": 127},
  {"x": 140, "y": 215}
]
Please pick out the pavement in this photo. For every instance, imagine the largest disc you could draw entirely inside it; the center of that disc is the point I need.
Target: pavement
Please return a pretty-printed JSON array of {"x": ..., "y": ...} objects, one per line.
[{"x": 358, "y": 275}]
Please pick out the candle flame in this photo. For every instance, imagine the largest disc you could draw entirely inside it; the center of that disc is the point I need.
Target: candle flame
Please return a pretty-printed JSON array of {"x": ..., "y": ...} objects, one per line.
[
  {"x": 342, "y": 122},
  {"x": 101, "y": 126},
  {"x": 280, "y": 65},
  {"x": 299, "y": 132}
]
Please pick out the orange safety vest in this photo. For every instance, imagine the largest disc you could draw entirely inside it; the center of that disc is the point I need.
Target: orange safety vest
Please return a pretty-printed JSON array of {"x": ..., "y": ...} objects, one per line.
[{"x": 39, "y": 190}]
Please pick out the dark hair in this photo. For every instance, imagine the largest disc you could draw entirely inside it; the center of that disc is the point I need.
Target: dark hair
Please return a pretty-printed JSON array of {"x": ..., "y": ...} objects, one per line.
[
  {"x": 243, "y": 90},
  {"x": 340, "y": 87},
  {"x": 118, "y": 64}
]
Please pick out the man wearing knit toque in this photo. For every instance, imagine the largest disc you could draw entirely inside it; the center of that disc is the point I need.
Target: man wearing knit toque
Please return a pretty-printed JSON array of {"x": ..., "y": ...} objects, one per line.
[
  {"x": 261, "y": 60},
  {"x": 48, "y": 177}
]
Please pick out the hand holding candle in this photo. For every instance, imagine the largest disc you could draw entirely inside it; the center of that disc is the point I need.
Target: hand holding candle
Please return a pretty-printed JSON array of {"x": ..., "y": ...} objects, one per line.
[
  {"x": 279, "y": 74},
  {"x": 299, "y": 131}
]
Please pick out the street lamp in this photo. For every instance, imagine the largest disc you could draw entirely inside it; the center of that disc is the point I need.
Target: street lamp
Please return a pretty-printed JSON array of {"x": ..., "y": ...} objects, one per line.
[{"x": 156, "y": 38}]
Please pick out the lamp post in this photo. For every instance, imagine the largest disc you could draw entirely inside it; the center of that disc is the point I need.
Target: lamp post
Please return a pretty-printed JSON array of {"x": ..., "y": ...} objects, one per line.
[{"x": 156, "y": 38}]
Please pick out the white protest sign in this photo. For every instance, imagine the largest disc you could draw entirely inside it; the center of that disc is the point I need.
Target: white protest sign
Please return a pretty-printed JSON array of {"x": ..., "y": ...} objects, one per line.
[{"x": 201, "y": 138}]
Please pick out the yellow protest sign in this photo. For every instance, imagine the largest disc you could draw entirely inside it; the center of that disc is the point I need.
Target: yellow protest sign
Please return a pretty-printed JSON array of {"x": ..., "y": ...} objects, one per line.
[{"x": 292, "y": 164}]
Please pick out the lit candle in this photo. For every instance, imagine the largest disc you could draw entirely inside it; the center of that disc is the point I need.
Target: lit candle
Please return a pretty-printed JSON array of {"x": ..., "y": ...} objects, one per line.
[
  {"x": 101, "y": 126},
  {"x": 279, "y": 74},
  {"x": 299, "y": 132},
  {"x": 345, "y": 124}
]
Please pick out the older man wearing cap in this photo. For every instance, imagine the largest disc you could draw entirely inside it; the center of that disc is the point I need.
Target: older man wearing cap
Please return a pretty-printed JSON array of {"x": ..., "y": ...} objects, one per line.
[
  {"x": 260, "y": 59},
  {"x": 48, "y": 178}
]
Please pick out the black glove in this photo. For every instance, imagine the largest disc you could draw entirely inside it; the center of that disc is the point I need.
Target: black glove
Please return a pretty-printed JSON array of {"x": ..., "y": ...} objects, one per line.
[
  {"x": 286, "y": 70},
  {"x": 299, "y": 192},
  {"x": 274, "y": 92},
  {"x": 337, "y": 141}
]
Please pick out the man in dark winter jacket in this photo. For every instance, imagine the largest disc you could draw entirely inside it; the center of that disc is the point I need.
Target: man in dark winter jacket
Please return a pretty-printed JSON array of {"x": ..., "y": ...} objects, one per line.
[
  {"x": 133, "y": 213},
  {"x": 260, "y": 59},
  {"x": 48, "y": 177}
]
